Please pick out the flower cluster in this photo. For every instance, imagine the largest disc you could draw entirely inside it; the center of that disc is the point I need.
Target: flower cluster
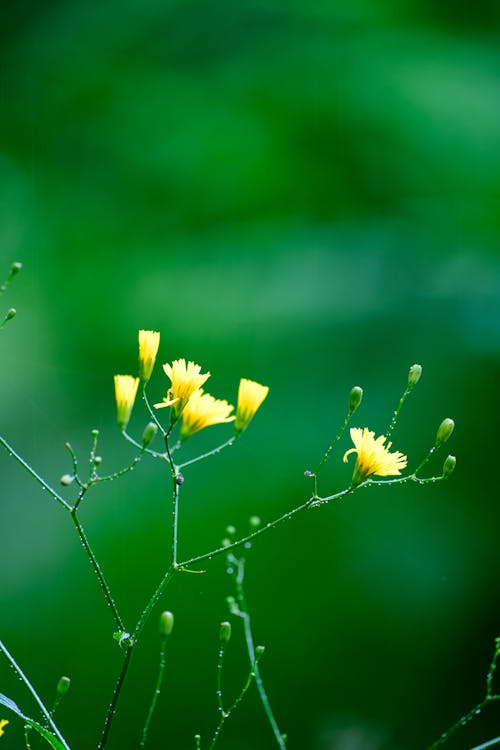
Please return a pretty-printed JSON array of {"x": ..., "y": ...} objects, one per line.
[{"x": 185, "y": 397}]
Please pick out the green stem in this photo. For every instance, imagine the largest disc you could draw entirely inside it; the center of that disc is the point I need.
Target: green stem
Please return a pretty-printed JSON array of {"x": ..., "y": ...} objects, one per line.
[
  {"x": 213, "y": 452},
  {"x": 130, "y": 439},
  {"x": 157, "y": 690},
  {"x": 151, "y": 412},
  {"x": 490, "y": 743},
  {"x": 226, "y": 714},
  {"x": 116, "y": 694},
  {"x": 33, "y": 473},
  {"x": 243, "y": 607},
  {"x": 35, "y": 695},
  {"x": 97, "y": 570},
  {"x": 395, "y": 416},
  {"x": 151, "y": 603},
  {"x": 334, "y": 442}
]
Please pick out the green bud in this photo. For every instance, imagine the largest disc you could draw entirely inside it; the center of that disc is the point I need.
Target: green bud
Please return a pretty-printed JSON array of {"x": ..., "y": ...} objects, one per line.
[
  {"x": 15, "y": 268},
  {"x": 66, "y": 480},
  {"x": 149, "y": 434},
  {"x": 259, "y": 650},
  {"x": 449, "y": 466},
  {"x": 63, "y": 686},
  {"x": 230, "y": 530},
  {"x": 166, "y": 623},
  {"x": 225, "y": 632},
  {"x": 355, "y": 397},
  {"x": 254, "y": 521},
  {"x": 414, "y": 375},
  {"x": 444, "y": 430},
  {"x": 11, "y": 313},
  {"x": 97, "y": 460},
  {"x": 95, "y": 433}
]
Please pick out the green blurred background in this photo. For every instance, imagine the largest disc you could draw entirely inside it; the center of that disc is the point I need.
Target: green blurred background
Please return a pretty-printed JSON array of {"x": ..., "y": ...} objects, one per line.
[{"x": 306, "y": 194}]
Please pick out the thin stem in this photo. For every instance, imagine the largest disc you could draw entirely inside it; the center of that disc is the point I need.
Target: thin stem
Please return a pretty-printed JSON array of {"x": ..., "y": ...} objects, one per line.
[
  {"x": 116, "y": 694},
  {"x": 120, "y": 472},
  {"x": 74, "y": 461},
  {"x": 462, "y": 721},
  {"x": 151, "y": 412},
  {"x": 243, "y": 607},
  {"x": 490, "y": 743},
  {"x": 33, "y": 473},
  {"x": 226, "y": 714},
  {"x": 151, "y": 603},
  {"x": 35, "y": 695},
  {"x": 395, "y": 416},
  {"x": 220, "y": 550},
  {"x": 213, "y": 452},
  {"x": 97, "y": 570},
  {"x": 130, "y": 439},
  {"x": 220, "y": 666},
  {"x": 334, "y": 441},
  {"x": 492, "y": 669},
  {"x": 157, "y": 690},
  {"x": 437, "y": 445}
]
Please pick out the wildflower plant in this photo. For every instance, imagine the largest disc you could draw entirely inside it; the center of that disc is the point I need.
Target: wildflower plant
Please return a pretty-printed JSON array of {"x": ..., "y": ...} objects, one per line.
[{"x": 192, "y": 409}]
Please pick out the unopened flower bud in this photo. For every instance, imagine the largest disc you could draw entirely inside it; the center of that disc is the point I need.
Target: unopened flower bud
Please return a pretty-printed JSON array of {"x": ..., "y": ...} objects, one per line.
[
  {"x": 225, "y": 632},
  {"x": 97, "y": 460},
  {"x": 444, "y": 430},
  {"x": 63, "y": 686},
  {"x": 449, "y": 466},
  {"x": 149, "y": 434},
  {"x": 166, "y": 623},
  {"x": 414, "y": 375},
  {"x": 259, "y": 650},
  {"x": 16, "y": 267},
  {"x": 11, "y": 313},
  {"x": 254, "y": 521},
  {"x": 355, "y": 397},
  {"x": 66, "y": 480}
]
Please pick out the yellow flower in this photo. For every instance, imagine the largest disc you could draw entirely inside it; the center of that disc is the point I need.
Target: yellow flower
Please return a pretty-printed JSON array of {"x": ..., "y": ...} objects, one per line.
[
  {"x": 250, "y": 397},
  {"x": 185, "y": 379},
  {"x": 3, "y": 723},
  {"x": 373, "y": 456},
  {"x": 203, "y": 410},
  {"x": 125, "y": 392},
  {"x": 149, "y": 342}
]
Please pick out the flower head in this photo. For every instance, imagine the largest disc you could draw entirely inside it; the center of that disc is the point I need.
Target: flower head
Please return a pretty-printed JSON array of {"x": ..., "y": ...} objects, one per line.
[
  {"x": 149, "y": 342},
  {"x": 125, "y": 392},
  {"x": 203, "y": 410},
  {"x": 185, "y": 379},
  {"x": 3, "y": 723},
  {"x": 373, "y": 456},
  {"x": 250, "y": 397}
]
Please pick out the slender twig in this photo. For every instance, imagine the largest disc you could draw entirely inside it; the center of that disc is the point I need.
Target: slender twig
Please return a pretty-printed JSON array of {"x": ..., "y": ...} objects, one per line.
[
  {"x": 213, "y": 452},
  {"x": 116, "y": 694},
  {"x": 35, "y": 695},
  {"x": 160, "y": 589},
  {"x": 157, "y": 690},
  {"x": 130, "y": 439},
  {"x": 397, "y": 410},
  {"x": 244, "y": 613},
  {"x": 97, "y": 570},
  {"x": 152, "y": 413},
  {"x": 490, "y": 743},
  {"x": 334, "y": 441},
  {"x": 33, "y": 473}
]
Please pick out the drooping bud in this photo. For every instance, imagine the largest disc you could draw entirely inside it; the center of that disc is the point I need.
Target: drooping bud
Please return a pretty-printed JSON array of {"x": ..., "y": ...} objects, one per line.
[
  {"x": 449, "y": 466},
  {"x": 355, "y": 397},
  {"x": 11, "y": 313},
  {"x": 66, "y": 480},
  {"x": 149, "y": 434},
  {"x": 63, "y": 686},
  {"x": 259, "y": 650},
  {"x": 225, "y": 632},
  {"x": 166, "y": 623},
  {"x": 15, "y": 267},
  {"x": 444, "y": 430},
  {"x": 414, "y": 375}
]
